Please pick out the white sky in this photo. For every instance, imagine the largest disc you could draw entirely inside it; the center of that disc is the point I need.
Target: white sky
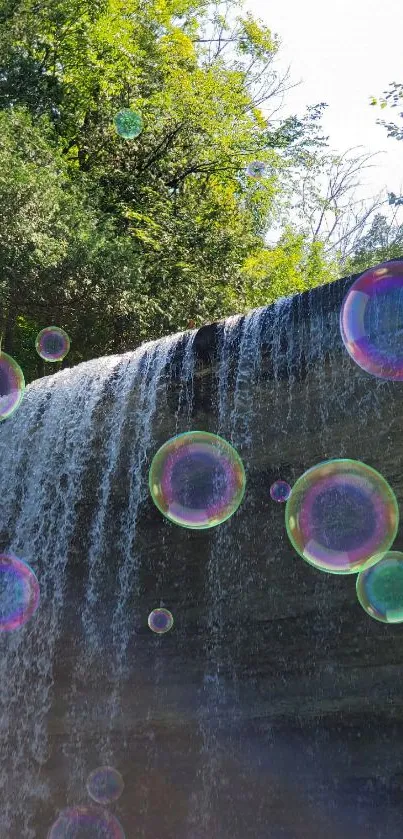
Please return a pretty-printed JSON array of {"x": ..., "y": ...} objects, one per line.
[{"x": 343, "y": 52}]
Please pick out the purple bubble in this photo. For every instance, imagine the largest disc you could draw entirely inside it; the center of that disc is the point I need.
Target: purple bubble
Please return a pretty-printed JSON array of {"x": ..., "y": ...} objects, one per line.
[
  {"x": 160, "y": 621},
  {"x": 52, "y": 343},
  {"x": 19, "y": 593},
  {"x": 280, "y": 491},
  {"x": 105, "y": 785},
  {"x": 256, "y": 169},
  {"x": 12, "y": 385},
  {"x": 340, "y": 514},
  {"x": 197, "y": 480},
  {"x": 86, "y": 823},
  {"x": 371, "y": 321}
]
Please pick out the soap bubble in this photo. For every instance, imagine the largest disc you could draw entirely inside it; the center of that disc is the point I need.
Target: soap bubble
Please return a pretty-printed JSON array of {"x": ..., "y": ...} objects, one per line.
[
  {"x": 160, "y": 621},
  {"x": 340, "y": 514},
  {"x": 128, "y": 124},
  {"x": 86, "y": 823},
  {"x": 105, "y": 785},
  {"x": 19, "y": 593},
  {"x": 280, "y": 491},
  {"x": 12, "y": 385},
  {"x": 52, "y": 343},
  {"x": 371, "y": 321},
  {"x": 197, "y": 480},
  {"x": 256, "y": 169},
  {"x": 380, "y": 588}
]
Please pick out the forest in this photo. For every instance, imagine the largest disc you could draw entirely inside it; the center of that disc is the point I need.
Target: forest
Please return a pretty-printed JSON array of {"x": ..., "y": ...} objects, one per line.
[{"x": 119, "y": 242}]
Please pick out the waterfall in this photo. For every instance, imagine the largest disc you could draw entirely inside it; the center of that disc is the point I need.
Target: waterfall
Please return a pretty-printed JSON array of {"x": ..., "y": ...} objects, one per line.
[
  {"x": 77, "y": 435},
  {"x": 216, "y": 727}
]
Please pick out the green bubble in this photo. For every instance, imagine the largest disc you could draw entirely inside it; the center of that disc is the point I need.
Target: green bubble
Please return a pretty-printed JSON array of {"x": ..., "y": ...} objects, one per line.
[
  {"x": 128, "y": 123},
  {"x": 380, "y": 588}
]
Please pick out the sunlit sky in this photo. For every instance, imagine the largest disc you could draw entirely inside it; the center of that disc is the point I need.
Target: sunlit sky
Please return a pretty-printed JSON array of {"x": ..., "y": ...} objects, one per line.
[{"x": 343, "y": 53}]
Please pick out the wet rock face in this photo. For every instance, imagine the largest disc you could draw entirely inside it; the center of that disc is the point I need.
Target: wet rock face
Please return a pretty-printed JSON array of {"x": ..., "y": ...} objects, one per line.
[{"x": 273, "y": 707}]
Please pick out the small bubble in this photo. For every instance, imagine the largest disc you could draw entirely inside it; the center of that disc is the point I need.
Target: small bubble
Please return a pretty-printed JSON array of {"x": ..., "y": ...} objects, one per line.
[
  {"x": 160, "y": 621},
  {"x": 280, "y": 491},
  {"x": 52, "y": 343},
  {"x": 256, "y": 169},
  {"x": 128, "y": 124},
  {"x": 105, "y": 785}
]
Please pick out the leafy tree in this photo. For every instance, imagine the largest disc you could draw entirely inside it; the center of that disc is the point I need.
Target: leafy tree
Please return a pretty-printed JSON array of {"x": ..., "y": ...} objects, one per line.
[
  {"x": 383, "y": 242},
  {"x": 295, "y": 264},
  {"x": 121, "y": 241},
  {"x": 60, "y": 262}
]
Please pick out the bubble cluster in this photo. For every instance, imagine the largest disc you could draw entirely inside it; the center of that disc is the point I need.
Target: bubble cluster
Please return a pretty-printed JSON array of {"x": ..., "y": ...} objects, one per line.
[
  {"x": 105, "y": 785},
  {"x": 86, "y": 823},
  {"x": 52, "y": 343},
  {"x": 280, "y": 491},
  {"x": 12, "y": 385},
  {"x": 340, "y": 514},
  {"x": 197, "y": 480},
  {"x": 380, "y": 588},
  {"x": 160, "y": 621},
  {"x": 371, "y": 321},
  {"x": 128, "y": 124},
  {"x": 19, "y": 593},
  {"x": 256, "y": 169}
]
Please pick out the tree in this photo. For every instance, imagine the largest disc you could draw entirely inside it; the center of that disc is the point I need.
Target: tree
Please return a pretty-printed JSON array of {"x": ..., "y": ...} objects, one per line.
[
  {"x": 143, "y": 235},
  {"x": 394, "y": 98},
  {"x": 295, "y": 264},
  {"x": 60, "y": 262},
  {"x": 383, "y": 242},
  {"x": 319, "y": 194}
]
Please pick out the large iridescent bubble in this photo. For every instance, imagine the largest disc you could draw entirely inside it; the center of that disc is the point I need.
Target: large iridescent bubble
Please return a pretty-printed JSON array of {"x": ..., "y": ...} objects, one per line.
[
  {"x": 380, "y": 588},
  {"x": 105, "y": 784},
  {"x": 86, "y": 823},
  {"x": 340, "y": 514},
  {"x": 19, "y": 593},
  {"x": 197, "y": 480},
  {"x": 371, "y": 321},
  {"x": 12, "y": 385},
  {"x": 128, "y": 124},
  {"x": 52, "y": 343},
  {"x": 160, "y": 621}
]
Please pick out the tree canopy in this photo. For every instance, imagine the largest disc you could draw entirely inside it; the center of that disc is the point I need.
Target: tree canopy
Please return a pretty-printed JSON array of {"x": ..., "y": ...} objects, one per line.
[{"x": 119, "y": 241}]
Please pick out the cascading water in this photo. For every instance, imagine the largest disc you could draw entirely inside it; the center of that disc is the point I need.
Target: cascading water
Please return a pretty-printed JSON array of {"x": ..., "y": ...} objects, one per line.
[
  {"x": 73, "y": 429},
  {"x": 218, "y": 728}
]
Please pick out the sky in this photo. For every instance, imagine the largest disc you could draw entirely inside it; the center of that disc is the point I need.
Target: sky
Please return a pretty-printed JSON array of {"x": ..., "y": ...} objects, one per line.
[{"x": 343, "y": 53}]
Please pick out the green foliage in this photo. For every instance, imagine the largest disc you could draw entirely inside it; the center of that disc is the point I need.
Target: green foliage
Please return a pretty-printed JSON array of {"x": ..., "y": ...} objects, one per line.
[
  {"x": 383, "y": 241},
  {"x": 294, "y": 265},
  {"x": 394, "y": 99},
  {"x": 121, "y": 241}
]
